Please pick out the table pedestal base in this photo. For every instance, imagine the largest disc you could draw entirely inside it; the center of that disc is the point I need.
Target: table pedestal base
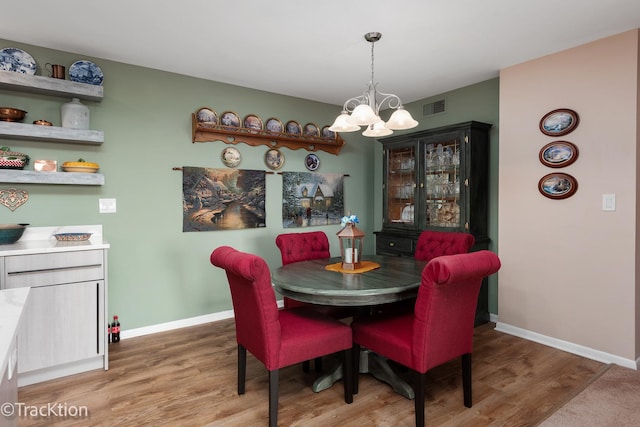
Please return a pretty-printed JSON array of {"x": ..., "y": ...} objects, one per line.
[{"x": 370, "y": 363}]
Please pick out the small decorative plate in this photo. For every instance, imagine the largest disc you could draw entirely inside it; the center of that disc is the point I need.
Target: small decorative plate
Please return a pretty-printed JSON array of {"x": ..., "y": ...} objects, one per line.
[
  {"x": 207, "y": 117},
  {"x": 558, "y": 154},
  {"x": 274, "y": 159},
  {"x": 312, "y": 162},
  {"x": 559, "y": 122},
  {"x": 293, "y": 128},
  {"x": 231, "y": 119},
  {"x": 252, "y": 122},
  {"x": 14, "y": 59},
  {"x": 72, "y": 237},
  {"x": 274, "y": 125},
  {"x": 328, "y": 134},
  {"x": 231, "y": 157},
  {"x": 311, "y": 129},
  {"x": 84, "y": 71}
]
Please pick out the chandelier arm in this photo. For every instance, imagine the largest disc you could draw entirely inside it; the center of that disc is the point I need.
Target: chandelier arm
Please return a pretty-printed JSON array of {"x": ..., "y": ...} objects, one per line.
[{"x": 392, "y": 100}]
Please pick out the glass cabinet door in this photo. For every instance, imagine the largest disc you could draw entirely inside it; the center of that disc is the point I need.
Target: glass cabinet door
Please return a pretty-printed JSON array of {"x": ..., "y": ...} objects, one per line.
[
  {"x": 442, "y": 186},
  {"x": 400, "y": 191}
]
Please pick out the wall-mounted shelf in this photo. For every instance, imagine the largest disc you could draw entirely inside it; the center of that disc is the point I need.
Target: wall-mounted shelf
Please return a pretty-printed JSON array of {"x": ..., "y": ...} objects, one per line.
[
  {"x": 256, "y": 138},
  {"x": 24, "y": 131},
  {"x": 10, "y": 80},
  {"x": 31, "y": 177}
]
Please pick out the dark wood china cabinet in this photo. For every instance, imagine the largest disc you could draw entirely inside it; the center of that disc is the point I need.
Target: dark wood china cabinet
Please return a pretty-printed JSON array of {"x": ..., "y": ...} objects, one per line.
[{"x": 435, "y": 179}]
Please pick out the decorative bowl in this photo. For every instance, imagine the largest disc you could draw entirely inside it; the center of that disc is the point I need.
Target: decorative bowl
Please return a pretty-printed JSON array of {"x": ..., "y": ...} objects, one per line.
[
  {"x": 72, "y": 237},
  {"x": 42, "y": 123},
  {"x": 8, "y": 114},
  {"x": 80, "y": 166},
  {"x": 11, "y": 233},
  {"x": 12, "y": 159}
]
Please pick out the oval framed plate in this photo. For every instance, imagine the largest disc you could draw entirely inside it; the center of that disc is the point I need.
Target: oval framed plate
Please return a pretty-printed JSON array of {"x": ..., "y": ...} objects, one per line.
[
  {"x": 558, "y": 185},
  {"x": 558, "y": 154},
  {"x": 327, "y": 133},
  {"x": 252, "y": 122},
  {"x": 274, "y": 125},
  {"x": 293, "y": 128},
  {"x": 230, "y": 119},
  {"x": 311, "y": 129},
  {"x": 274, "y": 159},
  {"x": 559, "y": 122},
  {"x": 312, "y": 162},
  {"x": 84, "y": 71},
  {"x": 207, "y": 117},
  {"x": 231, "y": 157}
]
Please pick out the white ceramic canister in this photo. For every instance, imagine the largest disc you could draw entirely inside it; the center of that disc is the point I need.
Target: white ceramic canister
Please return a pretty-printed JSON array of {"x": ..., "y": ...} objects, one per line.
[{"x": 75, "y": 115}]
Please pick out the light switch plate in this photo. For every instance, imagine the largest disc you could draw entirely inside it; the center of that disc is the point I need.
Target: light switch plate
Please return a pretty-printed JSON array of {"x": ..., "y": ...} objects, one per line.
[
  {"x": 107, "y": 205},
  {"x": 608, "y": 202}
]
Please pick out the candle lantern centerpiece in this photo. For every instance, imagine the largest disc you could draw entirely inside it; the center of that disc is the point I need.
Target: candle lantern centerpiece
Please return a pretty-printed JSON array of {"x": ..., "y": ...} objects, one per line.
[{"x": 351, "y": 238}]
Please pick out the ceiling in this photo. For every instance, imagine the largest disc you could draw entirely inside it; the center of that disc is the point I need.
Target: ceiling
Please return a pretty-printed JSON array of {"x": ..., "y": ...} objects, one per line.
[{"x": 316, "y": 49}]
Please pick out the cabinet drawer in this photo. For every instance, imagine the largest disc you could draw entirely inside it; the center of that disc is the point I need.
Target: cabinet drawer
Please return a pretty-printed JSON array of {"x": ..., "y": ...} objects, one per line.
[
  {"x": 53, "y": 268},
  {"x": 394, "y": 245}
]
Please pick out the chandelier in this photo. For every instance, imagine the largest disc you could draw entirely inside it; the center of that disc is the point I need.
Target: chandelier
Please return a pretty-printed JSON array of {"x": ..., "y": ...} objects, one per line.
[{"x": 364, "y": 110}]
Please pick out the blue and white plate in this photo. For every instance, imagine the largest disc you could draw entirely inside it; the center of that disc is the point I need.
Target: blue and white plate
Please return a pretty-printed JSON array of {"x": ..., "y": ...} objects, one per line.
[
  {"x": 14, "y": 59},
  {"x": 86, "y": 72}
]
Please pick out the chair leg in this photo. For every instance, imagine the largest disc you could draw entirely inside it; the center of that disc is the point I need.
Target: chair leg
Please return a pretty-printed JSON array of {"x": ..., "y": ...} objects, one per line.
[
  {"x": 355, "y": 364},
  {"x": 318, "y": 364},
  {"x": 418, "y": 389},
  {"x": 242, "y": 368},
  {"x": 273, "y": 397},
  {"x": 347, "y": 375},
  {"x": 466, "y": 379},
  {"x": 305, "y": 366}
]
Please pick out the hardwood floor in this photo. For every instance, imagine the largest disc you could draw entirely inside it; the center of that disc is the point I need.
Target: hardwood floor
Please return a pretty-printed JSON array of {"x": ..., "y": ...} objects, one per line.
[{"x": 188, "y": 377}]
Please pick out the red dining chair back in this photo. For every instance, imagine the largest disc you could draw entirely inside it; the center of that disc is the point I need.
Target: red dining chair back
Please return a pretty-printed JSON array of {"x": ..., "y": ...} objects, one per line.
[
  {"x": 432, "y": 244},
  {"x": 277, "y": 338},
  {"x": 440, "y": 327},
  {"x": 296, "y": 247}
]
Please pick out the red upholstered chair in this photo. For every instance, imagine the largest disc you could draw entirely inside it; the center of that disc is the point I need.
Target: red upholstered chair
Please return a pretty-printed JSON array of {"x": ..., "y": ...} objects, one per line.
[
  {"x": 432, "y": 244},
  {"x": 439, "y": 329},
  {"x": 277, "y": 338},
  {"x": 295, "y": 247}
]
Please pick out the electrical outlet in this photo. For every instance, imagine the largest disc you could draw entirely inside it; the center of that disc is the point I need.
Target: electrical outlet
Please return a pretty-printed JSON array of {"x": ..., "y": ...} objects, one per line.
[{"x": 107, "y": 205}]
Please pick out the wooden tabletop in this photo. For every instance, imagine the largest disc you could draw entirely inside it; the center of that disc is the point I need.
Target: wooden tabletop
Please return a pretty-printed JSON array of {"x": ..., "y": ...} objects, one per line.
[{"x": 397, "y": 278}]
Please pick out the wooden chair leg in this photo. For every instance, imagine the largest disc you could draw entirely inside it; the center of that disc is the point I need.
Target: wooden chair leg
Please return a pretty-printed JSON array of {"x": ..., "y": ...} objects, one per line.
[
  {"x": 273, "y": 397},
  {"x": 466, "y": 379},
  {"x": 347, "y": 375},
  {"x": 318, "y": 364},
  {"x": 418, "y": 389},
  {"x": 305, "y": 366},
  {"x": 242, "y": 368},
  {"x": 355, "y": 364}
]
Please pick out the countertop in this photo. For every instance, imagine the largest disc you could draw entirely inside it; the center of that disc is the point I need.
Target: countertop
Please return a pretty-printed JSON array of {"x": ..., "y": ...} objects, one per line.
[
  {"x": 38, "y": 240},
  {"x": 12, "y": 303}
]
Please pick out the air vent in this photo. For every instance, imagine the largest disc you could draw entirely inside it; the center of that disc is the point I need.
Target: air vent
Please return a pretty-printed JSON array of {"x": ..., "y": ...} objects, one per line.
[{"x": 434, "y": 107}]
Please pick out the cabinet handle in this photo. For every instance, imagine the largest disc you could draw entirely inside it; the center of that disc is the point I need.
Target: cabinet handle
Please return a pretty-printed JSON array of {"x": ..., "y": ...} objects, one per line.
[
  {"x": 391, "y": 244},
  {"x": 98, "y": 318},
  {"x": 43, "y": 270}
]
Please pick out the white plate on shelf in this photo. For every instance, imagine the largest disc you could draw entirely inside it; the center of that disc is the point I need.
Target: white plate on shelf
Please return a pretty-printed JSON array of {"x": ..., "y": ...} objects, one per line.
[
  {"x": 14, "y": 59},
  {"x": 84, "y": 71}
]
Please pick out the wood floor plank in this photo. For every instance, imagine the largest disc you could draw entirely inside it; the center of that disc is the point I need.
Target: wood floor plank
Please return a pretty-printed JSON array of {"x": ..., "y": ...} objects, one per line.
[{"x": 188, "y": 377}]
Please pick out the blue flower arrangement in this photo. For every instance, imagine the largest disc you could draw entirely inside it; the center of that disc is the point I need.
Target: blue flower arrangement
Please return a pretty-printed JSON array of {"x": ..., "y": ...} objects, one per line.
[{"x": 349, "y": 219}]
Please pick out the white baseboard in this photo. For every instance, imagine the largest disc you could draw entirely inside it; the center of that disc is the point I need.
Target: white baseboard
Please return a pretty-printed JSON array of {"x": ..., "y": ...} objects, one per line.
[
  {"x": 177, "y": 324},
  {"x": 567, "y": 346}
]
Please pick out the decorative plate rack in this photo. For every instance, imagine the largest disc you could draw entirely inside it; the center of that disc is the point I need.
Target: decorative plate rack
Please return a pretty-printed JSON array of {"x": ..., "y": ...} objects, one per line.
[{"x": 232, "y": 135}]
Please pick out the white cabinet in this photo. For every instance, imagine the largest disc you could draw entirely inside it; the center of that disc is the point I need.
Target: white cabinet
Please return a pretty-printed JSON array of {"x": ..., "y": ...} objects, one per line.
[{"x": 63, "y": 330}]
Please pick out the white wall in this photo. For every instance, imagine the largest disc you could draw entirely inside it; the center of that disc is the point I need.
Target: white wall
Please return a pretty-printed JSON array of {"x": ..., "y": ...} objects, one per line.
[{"x": 568, "y": 268}]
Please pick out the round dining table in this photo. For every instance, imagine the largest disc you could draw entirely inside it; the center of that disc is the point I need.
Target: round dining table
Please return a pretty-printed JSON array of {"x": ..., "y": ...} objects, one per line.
[{"x": 394, "y": 279}]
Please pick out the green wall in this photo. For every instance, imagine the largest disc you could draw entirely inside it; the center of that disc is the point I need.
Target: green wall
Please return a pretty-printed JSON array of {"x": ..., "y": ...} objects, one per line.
[{"x": 157, "y": 273}]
